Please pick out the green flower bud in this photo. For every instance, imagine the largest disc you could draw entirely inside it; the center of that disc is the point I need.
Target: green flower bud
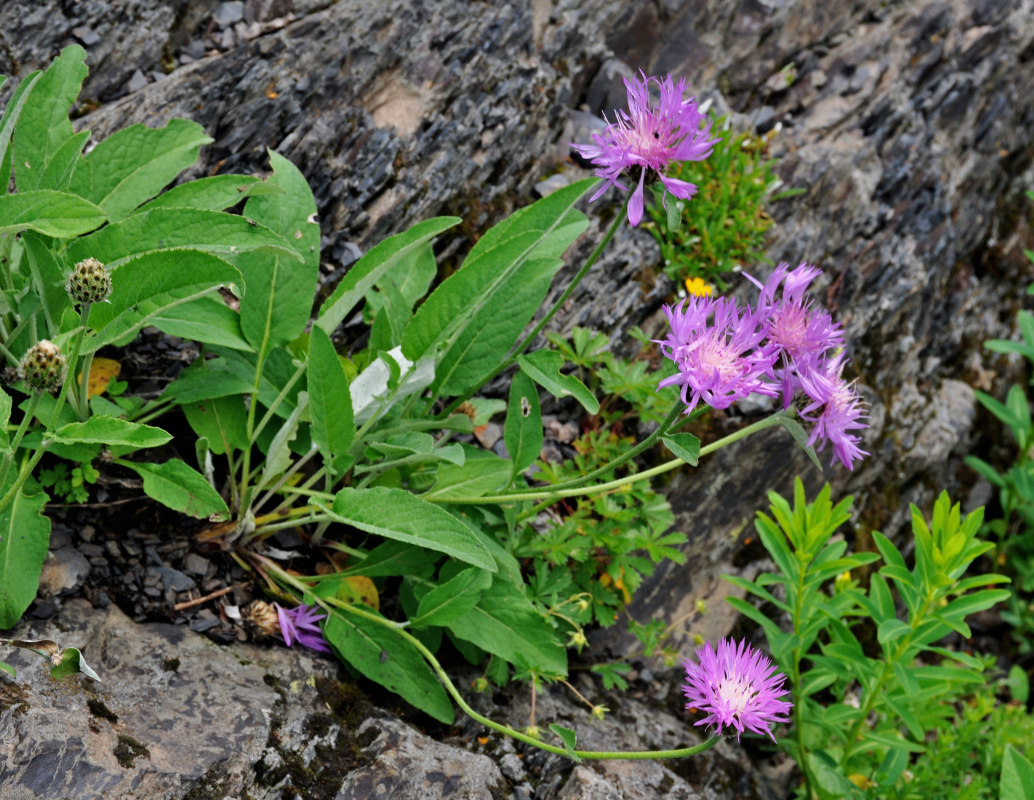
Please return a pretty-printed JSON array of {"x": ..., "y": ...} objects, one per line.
[
  {"x": 43, "y": 367},
  {"x": 89, "y": 282}
]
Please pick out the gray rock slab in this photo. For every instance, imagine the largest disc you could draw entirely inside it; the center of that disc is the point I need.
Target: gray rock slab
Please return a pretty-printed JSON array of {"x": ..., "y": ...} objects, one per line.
[
  {"x": 175, "y": 713},
  {"x": 409, "y": 766}
]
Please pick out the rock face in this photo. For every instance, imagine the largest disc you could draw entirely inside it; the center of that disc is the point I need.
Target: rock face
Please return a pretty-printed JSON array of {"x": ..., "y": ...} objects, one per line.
[
  {"x": 907, "y": 123},
  {"x": 177, "y": 716}
]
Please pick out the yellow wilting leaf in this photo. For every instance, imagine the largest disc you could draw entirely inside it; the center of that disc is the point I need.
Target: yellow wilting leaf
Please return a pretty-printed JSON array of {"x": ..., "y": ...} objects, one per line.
[
  {"x": 359, "y": 589},
  {"x": 102, "y": 370}
]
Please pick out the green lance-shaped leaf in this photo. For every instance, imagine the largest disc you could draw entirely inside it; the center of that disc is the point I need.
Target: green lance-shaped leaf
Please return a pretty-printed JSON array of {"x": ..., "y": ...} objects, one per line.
[
  {"x": 374, "y": 266},
  {"x": 134, "y": 164},
  {"x": 226, "y": 235},
  {"x": 398, "y": 514},
  {"x": 386, "y": 658},
  {"x": 176, "y": 485},
  {"x": 453, "y": 600},
  {"x": 523, "y": 429},
  {"x": 5, "y": 416},
  {"x": 480, "y": 473},
  {"x": 43, "y": 127},
  {"x": 111, "y": 431},
  {"x": 220, "y": 420},
  {"x": 57, "y": 214},
  {"x": 330, "y": 403},
  {"x": 207, "y": 320},
  {"x": 1017, "y": 782},
  {"x": 543, "y": 367},
  {"x": 48, "y": 279},
  {"x": 5, "y": 667},
  {"x": 145, "y": 287},
  {"x": 485, "y": 339},
  {"x": 506, "y": 624},
  {"x": 10, "y": 118},
  {"x": 278, "y": 454},
  {"x": 476, "y": 315},
  {"x": 206, "y": 379},
  {"x": 24, "y": 538},
  {"x": 215, "y": 193},
  {"x": 279, "y": 290}
]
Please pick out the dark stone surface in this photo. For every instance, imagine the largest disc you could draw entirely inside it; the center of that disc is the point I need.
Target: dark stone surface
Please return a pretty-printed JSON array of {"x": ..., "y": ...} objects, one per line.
[{"x": 908, "y": 124}]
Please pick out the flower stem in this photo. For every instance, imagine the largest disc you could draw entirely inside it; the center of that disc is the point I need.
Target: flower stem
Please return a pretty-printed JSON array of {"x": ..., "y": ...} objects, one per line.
[
  {"x": 555, "y": 494},
  {"x": 331, "y": 603},
  {"x": 628, "y": 455}
]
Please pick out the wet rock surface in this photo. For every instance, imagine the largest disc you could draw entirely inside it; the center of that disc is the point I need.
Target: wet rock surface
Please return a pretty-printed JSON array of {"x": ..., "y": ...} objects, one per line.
[{"x": 907, "y": 123}]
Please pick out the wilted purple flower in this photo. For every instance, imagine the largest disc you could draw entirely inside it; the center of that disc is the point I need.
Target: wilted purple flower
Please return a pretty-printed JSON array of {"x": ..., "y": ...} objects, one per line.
[
  {"x": 837, "y": 409},
  {"x": 736, "y": 687},
  {"x": 650, "y": 136},
  {"x": 298, "y": 624},
  {"x": 719, "y": 362},
  {"x": 803, "y": 332}
]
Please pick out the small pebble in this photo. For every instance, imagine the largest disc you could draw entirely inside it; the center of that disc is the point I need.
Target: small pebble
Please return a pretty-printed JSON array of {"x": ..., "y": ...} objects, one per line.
[
  {"x": 85, "y": 34},
  {"x": 200, "y": 625},
  {"x": 175, "y": 580},
  {"x": 137, "y": 82},
  {"x": 195, "y": 49},
  {"x": 229, "y": 13},
  {"x": 194, "y": 564}
]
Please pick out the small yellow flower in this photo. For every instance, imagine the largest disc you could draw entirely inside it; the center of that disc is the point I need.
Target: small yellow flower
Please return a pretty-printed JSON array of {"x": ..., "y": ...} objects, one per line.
[
  {"x": 599, "y": 711},
  {"x": 699, "y": 287},
  {"x": 577, "y": 640}
]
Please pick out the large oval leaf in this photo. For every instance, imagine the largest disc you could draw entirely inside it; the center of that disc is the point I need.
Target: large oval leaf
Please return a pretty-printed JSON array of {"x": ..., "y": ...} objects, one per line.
[
  {"x": 146, "y": 286},
  {"x": 385, "y": 657},
  {"x": 177, "y": 228},
  {"x": 397, "y": 514},
  {"x": 278, "y": 290},
  {"x": 58, "y": 214},
  {"x": 330, "y": 402},
  {"x": 111, "y": 431},
  {"x": 176, "y": 485},
  {"x": 24, "y": 538},
  {"x": 135, "y": 163}
]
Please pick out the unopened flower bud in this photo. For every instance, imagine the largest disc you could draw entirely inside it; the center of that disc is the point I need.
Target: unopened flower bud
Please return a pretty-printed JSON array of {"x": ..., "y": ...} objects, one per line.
[
  {"x": 89, "y": 282},
  {"x": 43, "y": 367},
  {"x": 262, "y": 618}
]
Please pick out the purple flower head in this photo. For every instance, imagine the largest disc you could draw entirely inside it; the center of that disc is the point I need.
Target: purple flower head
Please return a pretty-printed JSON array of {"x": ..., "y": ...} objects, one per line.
[
  {"x": 719, "y": 362},
  {"x": 803, "y": 332},
  {"x": 298, "y": 624},
  {"x": 651, "y": 136},
  {"x": 736, "y": 686},
  {"x": 837, "y": 410}
]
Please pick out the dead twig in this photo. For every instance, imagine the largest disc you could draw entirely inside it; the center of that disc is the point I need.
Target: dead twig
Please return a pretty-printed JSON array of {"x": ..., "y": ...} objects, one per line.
[{"x": 199, "y": 600}]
